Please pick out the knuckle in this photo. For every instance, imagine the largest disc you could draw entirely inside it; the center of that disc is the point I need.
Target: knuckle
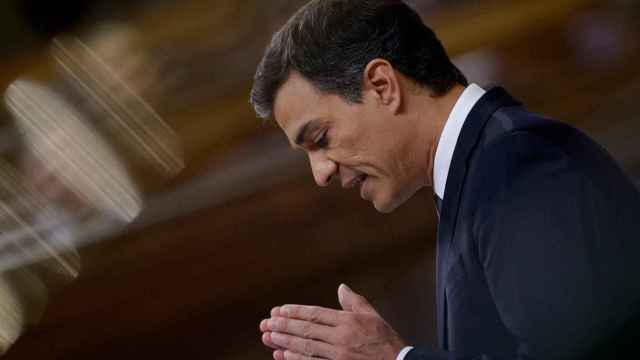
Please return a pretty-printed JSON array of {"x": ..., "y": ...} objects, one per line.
[
  {"x": 314, "y": 314},
  {"x": 285, "y": 340},
  {"x": 307, "y": 348},
  {"x": 285, "y": 322},
  {"x": 306, "y": 330},
  {"x": 288, "y": 310}
]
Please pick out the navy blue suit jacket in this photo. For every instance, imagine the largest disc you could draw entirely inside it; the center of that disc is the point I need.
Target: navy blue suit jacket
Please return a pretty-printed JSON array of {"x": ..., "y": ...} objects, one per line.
[{"x": 538, "y": 249}]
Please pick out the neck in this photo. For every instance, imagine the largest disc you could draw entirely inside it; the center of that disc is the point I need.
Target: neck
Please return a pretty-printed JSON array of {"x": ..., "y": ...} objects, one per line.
[{"x": 434, "y": 112}]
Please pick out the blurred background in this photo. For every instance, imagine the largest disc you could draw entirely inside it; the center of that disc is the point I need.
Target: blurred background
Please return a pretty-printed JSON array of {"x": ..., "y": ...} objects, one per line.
[{"x": 131, "y": 118}]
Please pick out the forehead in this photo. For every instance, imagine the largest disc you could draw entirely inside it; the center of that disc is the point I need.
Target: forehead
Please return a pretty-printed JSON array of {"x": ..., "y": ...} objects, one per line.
[{"x": 297, "y": 102}]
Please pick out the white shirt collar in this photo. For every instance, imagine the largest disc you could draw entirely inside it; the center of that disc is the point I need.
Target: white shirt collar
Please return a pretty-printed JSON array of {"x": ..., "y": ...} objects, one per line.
[{"x": 449, "y": 136}]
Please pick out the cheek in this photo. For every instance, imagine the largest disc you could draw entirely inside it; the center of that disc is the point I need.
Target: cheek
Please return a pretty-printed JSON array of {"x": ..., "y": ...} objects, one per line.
[
  {"x": 349, "y": 154},
  {"x": 398, "y": 187},
  {"x": 365, "y": 149}
]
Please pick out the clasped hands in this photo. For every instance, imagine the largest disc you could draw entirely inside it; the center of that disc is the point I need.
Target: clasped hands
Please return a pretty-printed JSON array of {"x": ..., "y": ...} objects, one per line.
[{"x": 358, "y": 332}]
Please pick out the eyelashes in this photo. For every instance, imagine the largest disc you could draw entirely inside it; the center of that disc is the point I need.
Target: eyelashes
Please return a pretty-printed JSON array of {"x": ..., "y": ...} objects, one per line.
[{"x": 323, "y": 140}]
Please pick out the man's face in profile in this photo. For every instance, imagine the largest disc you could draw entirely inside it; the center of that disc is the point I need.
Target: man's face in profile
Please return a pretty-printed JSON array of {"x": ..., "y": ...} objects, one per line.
[{"x": 362, "y": 145}]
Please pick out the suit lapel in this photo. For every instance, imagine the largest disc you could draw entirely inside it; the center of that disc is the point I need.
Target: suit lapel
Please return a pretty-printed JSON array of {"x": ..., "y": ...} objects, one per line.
[{"x": 468, "y": 139}]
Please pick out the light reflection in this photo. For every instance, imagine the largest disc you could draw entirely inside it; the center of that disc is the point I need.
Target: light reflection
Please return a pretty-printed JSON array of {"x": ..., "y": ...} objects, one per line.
[
  {"x": 88, "y": 134},
  {"x": 71, "y": 149},
  {"x": 86, "y": 137},
  {"x": 114, "y": 93}
]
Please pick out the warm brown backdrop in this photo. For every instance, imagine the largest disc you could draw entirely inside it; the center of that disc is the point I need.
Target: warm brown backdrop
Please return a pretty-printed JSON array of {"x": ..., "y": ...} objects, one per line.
[{"x": 244, "y": 228}]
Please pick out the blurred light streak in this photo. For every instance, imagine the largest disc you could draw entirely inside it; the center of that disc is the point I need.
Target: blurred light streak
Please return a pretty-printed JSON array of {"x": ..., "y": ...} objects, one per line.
[
  {"x": 23, "y": 296},
  {"x": 36, "y": 221},
  {"x": 27, "y": 203},
  {"x": 253, "y": 167},
  {"x": 82, "y": 130},
  {"x": 70, "y": 148},
  {"x": 133, "y": 119},
  {"x": 62, "y": 232}
]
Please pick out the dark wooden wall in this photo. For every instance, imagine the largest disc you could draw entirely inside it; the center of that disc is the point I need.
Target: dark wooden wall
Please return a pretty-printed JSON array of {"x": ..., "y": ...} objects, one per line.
[{"x": 210, "y": 258}]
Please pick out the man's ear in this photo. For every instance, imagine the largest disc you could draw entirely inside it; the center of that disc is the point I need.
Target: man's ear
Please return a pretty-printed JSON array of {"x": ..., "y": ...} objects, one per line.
[{"x": 382, "y": 82}]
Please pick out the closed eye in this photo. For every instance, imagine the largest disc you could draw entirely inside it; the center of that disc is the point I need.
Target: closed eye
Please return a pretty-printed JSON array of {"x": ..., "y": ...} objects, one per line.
[{"x": 322, "y": 141}]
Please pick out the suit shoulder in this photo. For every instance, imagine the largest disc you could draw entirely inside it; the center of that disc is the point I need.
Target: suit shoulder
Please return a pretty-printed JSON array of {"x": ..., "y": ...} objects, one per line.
[
  {"x": 519, "y": 159},
  {"x": 517, "y": 141},
  {"x": 538, "y": 152},
  {"x": 516, "y": 123},
  {"x": 521, "y": 150}
]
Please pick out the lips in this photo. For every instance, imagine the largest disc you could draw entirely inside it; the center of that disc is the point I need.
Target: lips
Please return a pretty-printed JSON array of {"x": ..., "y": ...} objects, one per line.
[
  {"x": 362, "y": 182},
  {"x": 359, "y": 180},
  {"x": 355, "y": 181}
]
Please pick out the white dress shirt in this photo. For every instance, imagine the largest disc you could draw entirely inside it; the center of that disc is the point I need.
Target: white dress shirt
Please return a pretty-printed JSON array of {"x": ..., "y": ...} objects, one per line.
[
  {"x": 446, "y": 146},
  {"x": 449, "y": 136}
]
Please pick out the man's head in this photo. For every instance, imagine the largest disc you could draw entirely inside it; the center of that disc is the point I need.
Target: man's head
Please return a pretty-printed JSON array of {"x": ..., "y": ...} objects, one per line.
[{"x": 341, "y": 79}]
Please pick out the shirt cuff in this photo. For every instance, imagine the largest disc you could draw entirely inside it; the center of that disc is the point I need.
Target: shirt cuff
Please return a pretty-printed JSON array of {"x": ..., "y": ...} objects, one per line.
[{"x": 404, "y": 352}]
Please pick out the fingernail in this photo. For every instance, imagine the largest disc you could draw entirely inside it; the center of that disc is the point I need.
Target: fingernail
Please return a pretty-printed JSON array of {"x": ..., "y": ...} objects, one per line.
[
  {"x": 346, "y": 287},
  {"x": 275, "y": 310},
  {"x": 278, "y": 355}
]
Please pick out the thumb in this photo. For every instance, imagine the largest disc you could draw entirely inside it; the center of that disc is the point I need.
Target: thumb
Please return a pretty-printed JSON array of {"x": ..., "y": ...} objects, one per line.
[{"x": 351, "y": 301}]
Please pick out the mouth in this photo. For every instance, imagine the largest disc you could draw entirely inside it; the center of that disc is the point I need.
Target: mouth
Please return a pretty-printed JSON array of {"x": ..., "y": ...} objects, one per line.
[
  {"x": 355, "y": 181},
  {"x": 360, "y": 181}
]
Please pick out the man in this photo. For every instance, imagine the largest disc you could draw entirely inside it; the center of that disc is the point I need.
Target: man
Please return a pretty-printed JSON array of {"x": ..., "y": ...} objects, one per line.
[{"x": 537, "y": 238}]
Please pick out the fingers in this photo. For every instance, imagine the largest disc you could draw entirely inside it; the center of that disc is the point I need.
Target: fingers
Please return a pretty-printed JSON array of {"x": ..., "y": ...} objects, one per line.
[
  {"x": 299, "y": 332},
  {"x": 306, "y": 347},
  {"x": 299, "y": 328},
  {"x": 315, "y": 314},
  {"x": 352, "y": 301},
  {"x": 289, "y": 355},
  {"x": 266, "y": 339}
]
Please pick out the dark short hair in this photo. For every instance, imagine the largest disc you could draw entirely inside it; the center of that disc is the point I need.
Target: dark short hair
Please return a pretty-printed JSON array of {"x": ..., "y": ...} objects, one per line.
[{"x": 330, "y": 43}]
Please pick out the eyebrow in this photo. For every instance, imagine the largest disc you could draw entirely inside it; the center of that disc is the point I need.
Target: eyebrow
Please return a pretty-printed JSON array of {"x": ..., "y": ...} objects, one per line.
[{"x": 304, "y": 129}]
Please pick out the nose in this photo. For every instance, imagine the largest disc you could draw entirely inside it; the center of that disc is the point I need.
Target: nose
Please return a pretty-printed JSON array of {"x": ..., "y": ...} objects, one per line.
[{"x": 322, "y": 167}]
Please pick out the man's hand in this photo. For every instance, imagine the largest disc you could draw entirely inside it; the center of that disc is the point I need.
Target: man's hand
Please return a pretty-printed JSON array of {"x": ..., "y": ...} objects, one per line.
[{"x": 298, "y": 332}]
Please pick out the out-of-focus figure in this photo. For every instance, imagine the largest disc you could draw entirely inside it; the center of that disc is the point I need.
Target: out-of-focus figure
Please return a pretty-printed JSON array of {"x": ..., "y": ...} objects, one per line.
[{"x": 89, "y": 142}]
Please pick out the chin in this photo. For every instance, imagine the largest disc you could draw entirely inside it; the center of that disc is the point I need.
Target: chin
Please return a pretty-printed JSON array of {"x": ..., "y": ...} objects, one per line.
[
  {"x": 384, "y": 210},
  {"x": 388, "y": 204},
  {"x": 386, "y": 207}
]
